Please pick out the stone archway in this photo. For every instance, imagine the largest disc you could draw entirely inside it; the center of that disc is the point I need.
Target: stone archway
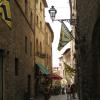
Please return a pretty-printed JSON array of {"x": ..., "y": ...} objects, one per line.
[
  {"x": 1, "y": 74},
  {"x": 96, "y": 59}
]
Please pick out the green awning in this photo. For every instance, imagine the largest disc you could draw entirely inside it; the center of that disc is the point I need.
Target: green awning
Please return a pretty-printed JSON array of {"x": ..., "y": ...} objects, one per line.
[{"x": 43, "y": 69}]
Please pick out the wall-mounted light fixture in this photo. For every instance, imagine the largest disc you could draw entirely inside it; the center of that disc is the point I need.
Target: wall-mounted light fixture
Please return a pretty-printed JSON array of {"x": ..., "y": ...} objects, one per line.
[{"x": 53, "y": 11}]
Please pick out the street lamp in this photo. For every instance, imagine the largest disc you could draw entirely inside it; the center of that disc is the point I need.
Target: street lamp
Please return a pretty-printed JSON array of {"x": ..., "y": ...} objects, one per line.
[{"x": 53, "y": 11}]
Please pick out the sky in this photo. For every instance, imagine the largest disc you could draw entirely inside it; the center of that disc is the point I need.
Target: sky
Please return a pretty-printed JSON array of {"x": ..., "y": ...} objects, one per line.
[{"x": 63, "y": 12}]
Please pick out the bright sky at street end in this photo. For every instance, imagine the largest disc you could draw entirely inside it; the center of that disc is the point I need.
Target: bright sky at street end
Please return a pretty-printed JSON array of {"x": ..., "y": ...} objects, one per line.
[{"x": 63, "y": 12}]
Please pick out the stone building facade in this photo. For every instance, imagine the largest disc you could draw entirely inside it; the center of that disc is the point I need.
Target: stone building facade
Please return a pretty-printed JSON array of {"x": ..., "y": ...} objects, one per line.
[
  {"x": 48, "y": 41},
  {"x": 21, "y": 47},
  {"x": 73, "y": 22},
  {"x": 66, "y": 66},
  {"x": 67, "y": 62},
  {"x": 43, "y": 47},
  {"x": 40, "y": 32},
  {"x": 40, "y": 55},
  {"x": 88, "y": 49},
  {"x": 17, "y": 54},
  {"x": 61, "y": 67}
]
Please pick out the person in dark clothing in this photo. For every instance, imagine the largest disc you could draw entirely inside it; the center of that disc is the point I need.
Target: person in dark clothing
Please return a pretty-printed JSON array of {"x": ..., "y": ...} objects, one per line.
[
  {"x": 73, "y": 91},
  {"x": 63, "y": 90},
  {"x": 68, "y": 92},
  {"x": 46, "y": 93}
]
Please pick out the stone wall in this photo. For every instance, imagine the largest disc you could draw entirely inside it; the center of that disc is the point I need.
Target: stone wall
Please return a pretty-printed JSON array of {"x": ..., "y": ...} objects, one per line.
[
  {"x": 13, "y": 42},
  {"x": 86, "y": 56}
]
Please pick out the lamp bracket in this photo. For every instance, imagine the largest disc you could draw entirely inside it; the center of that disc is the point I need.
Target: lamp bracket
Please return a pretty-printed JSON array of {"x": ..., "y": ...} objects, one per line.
[{"x": 68, "y": 20}]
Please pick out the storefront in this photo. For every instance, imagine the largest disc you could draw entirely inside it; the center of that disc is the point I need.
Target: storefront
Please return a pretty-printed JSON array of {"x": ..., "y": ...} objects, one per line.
[
  {"x": 40, "y": 76},
  {"x": 56, "y": 83}
]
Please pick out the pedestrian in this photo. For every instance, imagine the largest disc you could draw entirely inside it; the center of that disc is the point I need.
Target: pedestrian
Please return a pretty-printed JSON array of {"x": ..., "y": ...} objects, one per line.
[
  {"x": 63, "y": 90},
  {"x": 68, "y": 92},
  {"x": 46, "y": 93},
  {"x": 73, "y": 90}
]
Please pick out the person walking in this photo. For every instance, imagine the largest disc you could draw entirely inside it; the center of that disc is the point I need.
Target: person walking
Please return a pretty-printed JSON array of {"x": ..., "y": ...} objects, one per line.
[
  {"x": 68, "y": 90},
  {"x": 46, "y": 93},
  {"x": 73, "y": 91}
]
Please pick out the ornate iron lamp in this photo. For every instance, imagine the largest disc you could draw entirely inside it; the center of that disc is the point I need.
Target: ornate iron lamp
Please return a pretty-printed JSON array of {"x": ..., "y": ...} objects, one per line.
[{"x": 53, "y": 11}]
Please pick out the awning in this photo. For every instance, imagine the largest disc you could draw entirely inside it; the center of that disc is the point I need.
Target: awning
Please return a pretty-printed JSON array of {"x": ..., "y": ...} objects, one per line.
[
  {"x": 43, "y": 69},
  {"x": 54, "y": 76}
]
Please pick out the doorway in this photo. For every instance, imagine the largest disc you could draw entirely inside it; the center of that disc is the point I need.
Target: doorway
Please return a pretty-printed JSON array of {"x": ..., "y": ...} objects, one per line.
[
  {"x": 1, "y": 74},
  {"x": 96, "y": 58}
]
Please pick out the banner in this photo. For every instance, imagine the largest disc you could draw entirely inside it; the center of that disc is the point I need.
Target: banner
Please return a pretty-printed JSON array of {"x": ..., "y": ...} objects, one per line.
[
  {"x": 5, "y": 12},
  {"x": 65, "y": 36}
]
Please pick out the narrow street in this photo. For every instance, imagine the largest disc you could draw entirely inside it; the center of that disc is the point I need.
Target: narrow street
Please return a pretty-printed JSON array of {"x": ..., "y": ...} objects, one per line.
[
  {"x": 60, "y": 97},
  {"x": 49, "y": 49},
  {"x": 57, "y": 97}
]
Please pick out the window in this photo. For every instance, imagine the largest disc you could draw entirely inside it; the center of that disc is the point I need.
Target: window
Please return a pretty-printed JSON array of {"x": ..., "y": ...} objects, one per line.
[
  {"x": 31, "y": 18},
  {"x": 36, "y": 45},
  {"x": 16, "y": 66},
  {"x": 30, "y": 48},
  {"x": 36, "y": 1},
  {"x": 26, "y": 7},
  {"x": 40, "y": 47},
  {"x": 40, "y": 25},
  {"x": 40, "y": 6},
  {"x": 29, "y": 83},
  {"x": 25, "y": 44},
  {"x": 48, "y": 39},
  {"x": 47, "y": 58},
  {"x": 59, "y": 64},
  {"x": 43, "y": 13},
  {"x": 37, "y": 20}
]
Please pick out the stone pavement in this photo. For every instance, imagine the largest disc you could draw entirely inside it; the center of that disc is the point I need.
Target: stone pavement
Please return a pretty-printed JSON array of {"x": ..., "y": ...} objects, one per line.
[
  {"x": 61, "y": 97},
  {"x": 56, "y": 97}
]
